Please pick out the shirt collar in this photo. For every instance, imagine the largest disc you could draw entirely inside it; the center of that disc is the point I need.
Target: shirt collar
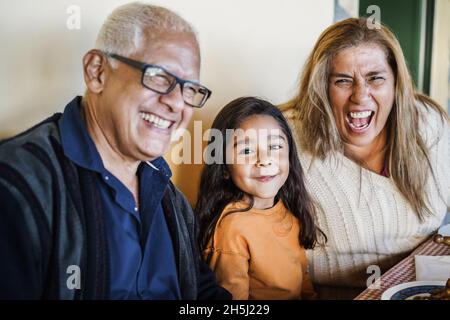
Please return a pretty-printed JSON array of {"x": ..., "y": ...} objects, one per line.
[
  {"x": 161, "y": 166},
  {"x": 75, "y": 139}
]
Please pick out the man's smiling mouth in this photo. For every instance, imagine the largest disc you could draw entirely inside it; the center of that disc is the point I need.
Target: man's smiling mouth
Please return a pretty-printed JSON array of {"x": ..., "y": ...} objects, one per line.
[{"x": 158, "y": 122}]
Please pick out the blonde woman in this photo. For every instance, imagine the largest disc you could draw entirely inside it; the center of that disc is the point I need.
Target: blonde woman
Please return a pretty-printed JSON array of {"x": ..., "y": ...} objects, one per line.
[{"x": 376, "y": 155}]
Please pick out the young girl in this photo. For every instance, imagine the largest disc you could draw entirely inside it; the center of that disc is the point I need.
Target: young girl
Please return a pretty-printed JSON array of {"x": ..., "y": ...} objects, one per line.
[{"x": 256, "y": 217}]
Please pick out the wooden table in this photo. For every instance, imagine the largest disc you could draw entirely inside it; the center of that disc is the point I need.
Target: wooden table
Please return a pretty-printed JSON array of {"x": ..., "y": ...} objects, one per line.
[{"x": 404, "y": 271}]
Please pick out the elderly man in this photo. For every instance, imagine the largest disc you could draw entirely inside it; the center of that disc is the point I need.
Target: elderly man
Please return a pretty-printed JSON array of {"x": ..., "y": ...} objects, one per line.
[{"x": 87, "y": 210}]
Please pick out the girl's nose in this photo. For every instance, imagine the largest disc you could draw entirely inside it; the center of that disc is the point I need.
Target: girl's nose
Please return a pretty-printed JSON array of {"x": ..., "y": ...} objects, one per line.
[{"x": 264, "y": 161}]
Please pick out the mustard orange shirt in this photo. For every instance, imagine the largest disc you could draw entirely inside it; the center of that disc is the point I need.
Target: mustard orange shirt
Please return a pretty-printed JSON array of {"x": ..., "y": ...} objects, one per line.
[{"x": 256, "y": 254}]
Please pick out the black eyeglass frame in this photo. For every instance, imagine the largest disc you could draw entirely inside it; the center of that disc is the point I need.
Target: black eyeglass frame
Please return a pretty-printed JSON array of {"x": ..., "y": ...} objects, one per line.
[{"x": 143, "y": 66}]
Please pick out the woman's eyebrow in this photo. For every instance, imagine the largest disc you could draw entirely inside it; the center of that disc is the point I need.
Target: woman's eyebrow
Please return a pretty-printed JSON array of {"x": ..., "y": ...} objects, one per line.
[
  {"x": 368, "y": 74},
  {"x": 341, "y": 75},
  {"x": 374, "y": 73}
]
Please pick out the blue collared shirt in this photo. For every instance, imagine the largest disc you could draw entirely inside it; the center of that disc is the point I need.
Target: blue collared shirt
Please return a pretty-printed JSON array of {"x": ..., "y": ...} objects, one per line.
[{"x": 142, "y": 261}]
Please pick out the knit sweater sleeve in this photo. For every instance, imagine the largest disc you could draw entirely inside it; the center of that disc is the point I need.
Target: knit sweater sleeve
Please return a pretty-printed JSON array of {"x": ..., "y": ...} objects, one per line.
[
  {"x": 229, "y": 258},
  {"x": 436, "y": 132}
]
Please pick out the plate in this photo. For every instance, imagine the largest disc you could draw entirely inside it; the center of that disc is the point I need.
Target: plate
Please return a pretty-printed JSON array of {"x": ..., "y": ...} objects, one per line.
[{"x": 410, "y": 290}]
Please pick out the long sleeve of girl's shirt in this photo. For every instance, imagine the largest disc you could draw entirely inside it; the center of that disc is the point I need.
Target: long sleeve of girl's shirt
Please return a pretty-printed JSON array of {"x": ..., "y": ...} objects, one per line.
[
  {"x": 231, "y": 271},
  {"x": 229, "y": 259}
]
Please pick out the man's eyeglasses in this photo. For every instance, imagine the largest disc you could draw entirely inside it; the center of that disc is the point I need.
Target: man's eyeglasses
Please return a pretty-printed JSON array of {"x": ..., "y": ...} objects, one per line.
[{"x": 159, "y": 80}]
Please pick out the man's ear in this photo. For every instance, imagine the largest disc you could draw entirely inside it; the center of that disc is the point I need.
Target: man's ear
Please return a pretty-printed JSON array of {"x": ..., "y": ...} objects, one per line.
[{"x": 94, "y": 65}]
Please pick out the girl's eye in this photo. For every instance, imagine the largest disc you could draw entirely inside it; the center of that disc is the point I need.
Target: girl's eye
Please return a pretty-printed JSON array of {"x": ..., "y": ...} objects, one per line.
[
  {"x": 246, "y": 151},
  {"x": 276, "y": 147}
]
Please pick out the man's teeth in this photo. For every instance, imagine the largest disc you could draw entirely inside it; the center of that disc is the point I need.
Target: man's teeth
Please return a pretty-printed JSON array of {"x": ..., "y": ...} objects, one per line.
[
  {"x": 157, "y": 121},
  {"x": 359, "y": 115}
]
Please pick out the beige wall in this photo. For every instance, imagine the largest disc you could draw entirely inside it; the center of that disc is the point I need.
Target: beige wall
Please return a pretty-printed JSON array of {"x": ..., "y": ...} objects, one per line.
[{"x": 249, "y": 47}]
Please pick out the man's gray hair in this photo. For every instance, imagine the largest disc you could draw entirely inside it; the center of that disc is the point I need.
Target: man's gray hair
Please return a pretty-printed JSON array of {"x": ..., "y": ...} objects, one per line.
[{"x": 123, "y": 31}]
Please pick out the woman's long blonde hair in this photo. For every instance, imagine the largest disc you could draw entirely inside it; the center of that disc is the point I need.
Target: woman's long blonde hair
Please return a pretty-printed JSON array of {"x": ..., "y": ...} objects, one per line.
[{"x": 407, "y": 152}]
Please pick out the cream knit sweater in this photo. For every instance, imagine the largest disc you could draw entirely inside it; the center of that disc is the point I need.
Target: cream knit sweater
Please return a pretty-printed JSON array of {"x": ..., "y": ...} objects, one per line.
[{"x": 365, "y": 217}]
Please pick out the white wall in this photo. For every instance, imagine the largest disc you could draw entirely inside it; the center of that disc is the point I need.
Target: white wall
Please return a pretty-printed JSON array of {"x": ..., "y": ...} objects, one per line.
[{"x": 249, "y": 47}]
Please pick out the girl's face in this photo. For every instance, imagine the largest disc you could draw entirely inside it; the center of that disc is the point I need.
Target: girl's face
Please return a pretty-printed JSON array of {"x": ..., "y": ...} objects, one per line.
[{"x": 260, "y": 159}]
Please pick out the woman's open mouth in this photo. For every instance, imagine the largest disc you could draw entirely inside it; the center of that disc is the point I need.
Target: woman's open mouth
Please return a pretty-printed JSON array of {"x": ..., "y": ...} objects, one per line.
[{"x": 359, "y": 121}]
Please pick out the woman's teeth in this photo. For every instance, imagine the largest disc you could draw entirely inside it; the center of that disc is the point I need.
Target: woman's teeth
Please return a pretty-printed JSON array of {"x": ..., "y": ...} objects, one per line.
[
  {"x": 359, "y": 115},
  {"x": 359, "y": 120},
  {"x": 155, "y": 120}
]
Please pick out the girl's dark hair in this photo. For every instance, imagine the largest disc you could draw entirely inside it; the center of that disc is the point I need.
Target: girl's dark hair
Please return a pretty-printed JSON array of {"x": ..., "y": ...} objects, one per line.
[{"x": 217, "y": 191}]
